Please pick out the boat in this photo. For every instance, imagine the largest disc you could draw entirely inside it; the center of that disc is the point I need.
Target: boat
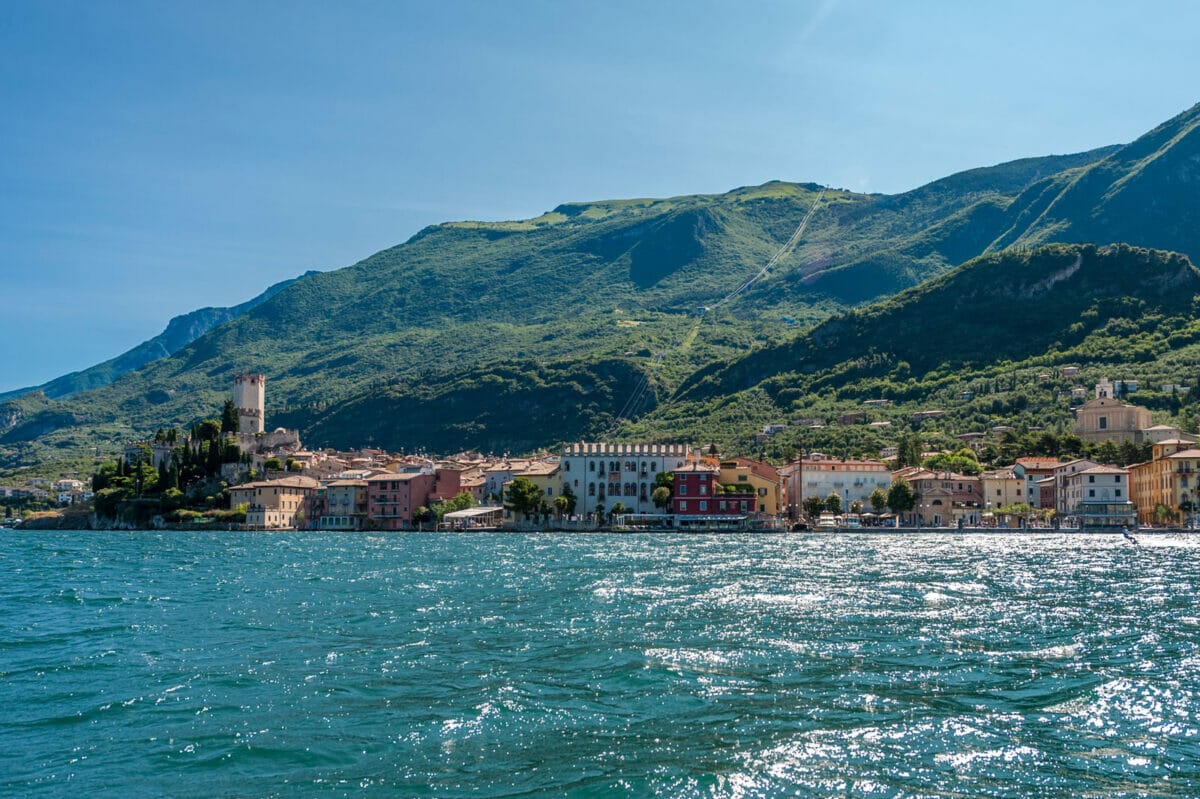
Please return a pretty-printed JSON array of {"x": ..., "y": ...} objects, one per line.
[{"x": 827, "y": 521}]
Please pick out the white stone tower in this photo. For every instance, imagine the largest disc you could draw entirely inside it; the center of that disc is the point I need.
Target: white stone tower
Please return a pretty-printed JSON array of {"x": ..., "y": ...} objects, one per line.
[{"x": 249, "y": 395}]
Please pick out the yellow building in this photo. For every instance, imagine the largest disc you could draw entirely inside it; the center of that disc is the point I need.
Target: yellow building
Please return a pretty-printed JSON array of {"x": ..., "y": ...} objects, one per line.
[
  {"x": 273, "y": 504},
  {"x": 1001, "y": 488},
  {"x": 546, "y": 475},
  {"x": 756, "y": 477},
  {"x": 1168, "y": 481}
]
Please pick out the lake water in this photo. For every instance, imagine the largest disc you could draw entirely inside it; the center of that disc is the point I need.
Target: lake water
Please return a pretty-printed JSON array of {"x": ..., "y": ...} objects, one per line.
[{"x": 297, "y": 665}]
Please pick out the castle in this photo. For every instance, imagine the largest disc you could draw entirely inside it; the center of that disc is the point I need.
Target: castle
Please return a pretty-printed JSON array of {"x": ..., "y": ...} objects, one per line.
[{"x": 249, "y": 395}]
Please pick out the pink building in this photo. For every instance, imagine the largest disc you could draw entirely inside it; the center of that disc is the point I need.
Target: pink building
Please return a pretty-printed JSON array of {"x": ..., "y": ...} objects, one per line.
[{"x": 392, "y": 499}]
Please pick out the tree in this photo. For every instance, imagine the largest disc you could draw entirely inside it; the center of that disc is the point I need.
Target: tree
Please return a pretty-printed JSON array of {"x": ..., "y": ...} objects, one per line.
[
  {"x": 1107, "y": 452},
  {"x": 560, "y": 505},
  {"x": 571, "y": 499},
  {"x": 813, "y": 505},
  {"x": 524, "y": 496},
  {"x": 961, "y": 462},
  {"x": 833, "y": 502},
  {"x": 230, "y": 419},
  {"x": 661, "y": 498},
  {"x": 208, "y": 430},
  {"x": 665, "y": 479},
  {"x": 617, "y": 509},
  {"x": 272, "y": 464},
  {"x": 908, "y": 450},
  {"x": 878, "y": 499},
  {"x": 900, "y": 497},
  {"x": 856, "y": 506}
]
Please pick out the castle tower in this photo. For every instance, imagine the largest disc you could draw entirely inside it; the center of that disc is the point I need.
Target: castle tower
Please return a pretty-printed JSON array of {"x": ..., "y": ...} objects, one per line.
[{"x": 249, "y": 395}]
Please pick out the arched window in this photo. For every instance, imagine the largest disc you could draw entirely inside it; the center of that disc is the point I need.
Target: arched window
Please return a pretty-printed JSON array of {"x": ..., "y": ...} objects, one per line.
[{"x": 591, "y": 489}]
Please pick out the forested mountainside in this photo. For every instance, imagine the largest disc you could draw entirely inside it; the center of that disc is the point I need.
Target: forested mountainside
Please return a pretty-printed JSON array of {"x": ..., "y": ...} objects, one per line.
[{"x": 570, "y": 309}]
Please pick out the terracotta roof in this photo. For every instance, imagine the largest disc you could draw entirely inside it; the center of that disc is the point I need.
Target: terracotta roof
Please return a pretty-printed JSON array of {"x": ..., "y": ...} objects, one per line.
[
  {"x": 283, "y": 482},
  {"x": 1039, "y": 463},
  {"x": 1102, "y": 470},
  {"x": 378, "y": 478}
]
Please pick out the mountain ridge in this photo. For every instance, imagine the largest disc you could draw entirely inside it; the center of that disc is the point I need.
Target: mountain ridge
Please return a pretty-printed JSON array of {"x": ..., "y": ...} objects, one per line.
[
  {"x": 580, "y": 286},
  {"x": 180, "y": 331}
]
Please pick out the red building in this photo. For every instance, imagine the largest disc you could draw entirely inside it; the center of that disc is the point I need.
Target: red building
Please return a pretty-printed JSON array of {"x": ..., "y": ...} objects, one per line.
[{"x": 696, "y": 491}]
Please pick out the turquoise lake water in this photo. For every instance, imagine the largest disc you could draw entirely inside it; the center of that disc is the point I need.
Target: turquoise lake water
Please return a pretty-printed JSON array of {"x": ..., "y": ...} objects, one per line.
[{"x": 298, "y": 665}]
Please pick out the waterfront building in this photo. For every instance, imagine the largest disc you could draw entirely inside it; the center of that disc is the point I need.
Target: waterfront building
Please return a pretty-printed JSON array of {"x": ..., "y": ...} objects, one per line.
[
  {"x": 944, "y": 498},
  {"x": 820, "y": 475},
  {"x": 1060, "y": 474},
  {"x": 1098, "y": 498},
  {"x": 345, "y": 506},
  {"x": 1032, "y": 471},
  {"x": 273, "y": 504},
  {"x": 1167, "y": 481},
  {"x": 496, "y": 475},
  {"x": 602, "y": 474},
  {"x": 1001, "y": 488},
  {"x": 393, "y": 499},
  {"x": 696, "y": 490},
  {"x": 760, "y": 480}
]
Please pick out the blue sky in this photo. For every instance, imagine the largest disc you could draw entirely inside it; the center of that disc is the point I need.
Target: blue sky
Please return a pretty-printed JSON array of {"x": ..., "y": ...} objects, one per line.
[{"x": 159, "y": 157}]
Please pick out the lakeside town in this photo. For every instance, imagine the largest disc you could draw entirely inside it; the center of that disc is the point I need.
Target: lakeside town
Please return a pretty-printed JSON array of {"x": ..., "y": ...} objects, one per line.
[{"x": 239, "y": 475}]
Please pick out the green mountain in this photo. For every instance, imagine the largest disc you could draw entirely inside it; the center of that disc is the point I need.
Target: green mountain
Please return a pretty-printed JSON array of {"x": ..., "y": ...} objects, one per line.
[
  {"x": 179, "y": 332},
  {"x": 983, "y": 344},
  {"x": 1145, "y": 193},
  {"x": 514, "y": 335}
]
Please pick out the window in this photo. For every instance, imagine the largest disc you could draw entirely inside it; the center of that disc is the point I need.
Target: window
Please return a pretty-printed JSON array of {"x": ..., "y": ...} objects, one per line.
[
  {"x": 683, "y": 489},
  {"x": 591, "y": 466},
  {"x": 682, "y": 505},
  {"x": 1091, "y": 478},
  {"x": 1091, "y": 492},
  {"x": 1103, "y": 422},
  {"x": 703, "y": 505},
  {"x": 1118, "y": 492},
  {"x": 567, "y": 466},
  {"x": 591, "y": 489},
  {"x": 703, "y": 489}
]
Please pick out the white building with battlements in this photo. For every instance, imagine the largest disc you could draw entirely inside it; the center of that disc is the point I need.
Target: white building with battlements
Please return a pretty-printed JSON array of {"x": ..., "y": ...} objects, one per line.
[{"x": 603, "y": 474}]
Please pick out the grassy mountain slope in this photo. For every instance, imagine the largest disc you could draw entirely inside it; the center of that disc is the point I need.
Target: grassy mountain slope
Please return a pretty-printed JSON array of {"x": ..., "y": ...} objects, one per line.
[
  {"x": 986, "y": 328},
  {"x": 586, "y": 283},
  {"x": 1145, "y": 193},
  {"x": 600, "y": 296}
]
